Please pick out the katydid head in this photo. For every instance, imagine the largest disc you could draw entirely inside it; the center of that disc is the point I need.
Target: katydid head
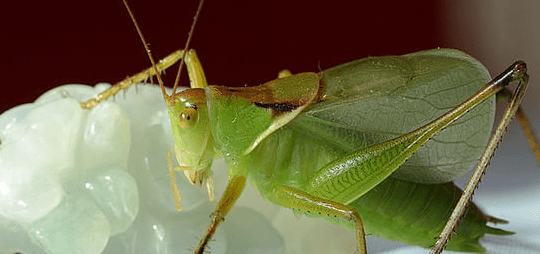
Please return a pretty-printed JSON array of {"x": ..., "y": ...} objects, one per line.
[{"x": 194, "y": 144}]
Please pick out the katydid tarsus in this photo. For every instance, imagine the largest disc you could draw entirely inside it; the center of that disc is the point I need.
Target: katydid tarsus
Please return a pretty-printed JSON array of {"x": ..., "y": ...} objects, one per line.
[{"x": 291, "y": 116}]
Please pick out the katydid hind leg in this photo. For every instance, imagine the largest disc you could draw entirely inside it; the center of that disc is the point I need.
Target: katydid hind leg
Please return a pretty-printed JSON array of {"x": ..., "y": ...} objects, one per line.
[
  {"x": 347, "y": 178},
  {"x": 529, "y": 134},
  {"x": 525, "y": 125},
  {"x": 516, "y": 73}
]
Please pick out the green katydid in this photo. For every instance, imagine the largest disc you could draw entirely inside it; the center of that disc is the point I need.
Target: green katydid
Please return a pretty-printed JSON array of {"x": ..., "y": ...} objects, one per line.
[
  {"x": 277, "y": 182},
  {"x": 276, "y": 155},
  {"x": 301, "y": 123}
]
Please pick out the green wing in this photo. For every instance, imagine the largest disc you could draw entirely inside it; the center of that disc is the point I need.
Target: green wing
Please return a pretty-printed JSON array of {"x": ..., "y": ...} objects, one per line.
[{"x": 375, "y": 99}]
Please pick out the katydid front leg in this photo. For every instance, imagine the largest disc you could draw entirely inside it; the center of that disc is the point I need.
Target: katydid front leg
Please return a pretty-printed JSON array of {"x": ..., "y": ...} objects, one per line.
[
  {"x": 195, "y": 72},
  {"x": 163, "y": 64},
  {"x": 176, "y": 194}
]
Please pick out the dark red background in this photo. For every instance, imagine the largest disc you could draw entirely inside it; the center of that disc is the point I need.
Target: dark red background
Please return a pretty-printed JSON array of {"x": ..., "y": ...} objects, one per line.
[{"x": 50, "y": 43}]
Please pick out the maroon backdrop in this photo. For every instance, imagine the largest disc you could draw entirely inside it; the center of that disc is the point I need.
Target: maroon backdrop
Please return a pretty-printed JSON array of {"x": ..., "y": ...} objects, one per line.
[{"x": 50, "y": 43}]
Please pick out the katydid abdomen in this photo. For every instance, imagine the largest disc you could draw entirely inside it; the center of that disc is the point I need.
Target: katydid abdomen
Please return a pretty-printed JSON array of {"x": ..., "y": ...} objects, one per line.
[
  {"x": 399, "y": 210},
  {"x": 376, "y": 99},
  {"x": 415, "y": 213}
]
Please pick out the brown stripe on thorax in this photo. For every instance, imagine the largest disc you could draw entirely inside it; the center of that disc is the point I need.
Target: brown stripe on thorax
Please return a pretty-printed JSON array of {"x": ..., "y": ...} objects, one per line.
[{"x": 280, "y": 95}]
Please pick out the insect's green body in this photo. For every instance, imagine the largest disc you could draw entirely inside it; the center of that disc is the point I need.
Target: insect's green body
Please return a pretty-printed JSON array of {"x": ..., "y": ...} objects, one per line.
[
  {"x": 367, "y": 109},
  {"x": 283, "y": 132}
]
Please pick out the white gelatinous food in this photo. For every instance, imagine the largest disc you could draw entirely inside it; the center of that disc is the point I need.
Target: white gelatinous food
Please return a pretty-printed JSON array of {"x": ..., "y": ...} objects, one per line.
[{"x": 79, "y": 181}]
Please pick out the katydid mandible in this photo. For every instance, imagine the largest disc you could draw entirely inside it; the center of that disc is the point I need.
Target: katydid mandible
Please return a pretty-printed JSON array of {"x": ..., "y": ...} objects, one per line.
[{"x": 301, "y": 139}]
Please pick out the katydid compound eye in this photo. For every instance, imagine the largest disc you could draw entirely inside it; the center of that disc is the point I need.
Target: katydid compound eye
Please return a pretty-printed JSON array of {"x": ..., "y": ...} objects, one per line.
[{"x": 188, "y": 117}]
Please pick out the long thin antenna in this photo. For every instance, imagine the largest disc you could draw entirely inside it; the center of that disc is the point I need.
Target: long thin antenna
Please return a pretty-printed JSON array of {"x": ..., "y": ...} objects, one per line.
[
  {"x": 146, "y": 47},
  {"x": 195, "y": 18}
]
